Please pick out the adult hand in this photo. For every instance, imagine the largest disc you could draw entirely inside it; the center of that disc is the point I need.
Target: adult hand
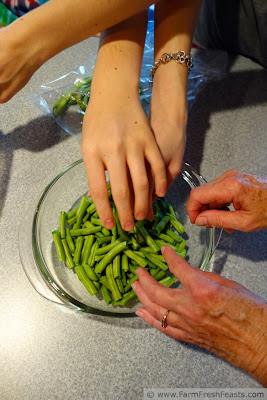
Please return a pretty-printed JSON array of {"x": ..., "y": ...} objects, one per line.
[
  {"x": 247, "y": 193},
  {"x": 116, "y": 137},
  {"x": 209, "y": 311}
]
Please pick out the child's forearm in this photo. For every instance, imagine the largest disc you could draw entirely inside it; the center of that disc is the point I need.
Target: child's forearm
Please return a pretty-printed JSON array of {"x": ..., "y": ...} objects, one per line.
[
  {"x": 174, "y": 28},
  {"x": 119, "y": 58},
  {"x": 56, "y": 26}
]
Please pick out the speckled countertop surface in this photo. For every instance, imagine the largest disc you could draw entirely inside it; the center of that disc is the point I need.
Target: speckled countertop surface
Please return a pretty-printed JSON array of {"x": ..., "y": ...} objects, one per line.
[{"x": 49, "y": 352}]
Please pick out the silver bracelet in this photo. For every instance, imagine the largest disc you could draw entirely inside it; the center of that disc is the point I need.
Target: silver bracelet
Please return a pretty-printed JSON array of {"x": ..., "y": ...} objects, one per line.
[{"x": 179, "y": 57}]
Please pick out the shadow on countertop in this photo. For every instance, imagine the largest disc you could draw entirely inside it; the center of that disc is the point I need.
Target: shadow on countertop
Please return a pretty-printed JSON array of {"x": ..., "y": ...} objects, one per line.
[
  {"x": 38, "y": 135},
  {"x": 230, "y": 91}
]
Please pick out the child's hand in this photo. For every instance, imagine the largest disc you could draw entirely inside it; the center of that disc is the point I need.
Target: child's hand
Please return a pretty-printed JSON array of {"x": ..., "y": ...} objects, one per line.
[{"x": 117, "y": 137}]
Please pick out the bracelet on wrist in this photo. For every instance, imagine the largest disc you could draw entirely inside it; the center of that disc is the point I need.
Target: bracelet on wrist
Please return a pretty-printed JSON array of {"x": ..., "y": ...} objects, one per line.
[{"x": 178, "y": 57}]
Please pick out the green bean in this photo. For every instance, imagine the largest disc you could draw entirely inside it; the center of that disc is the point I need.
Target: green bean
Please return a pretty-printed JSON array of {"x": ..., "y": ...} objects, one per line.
[
  {"x": 176, "y": 224},
  {"x": 109, "y": 257},
  {"x": 70, "y": 241},
  {"x": 135, "y": 244},
  {"x": 117, "y": 266},
  {"x": 84, "y": 231},
  {"x": 150, "y": 242},
  {"x": 154, "y": 272},
  {"x": 182, "y": 245},
  {"x": 91, "y": 259},
  {"x": 62, "y": 220},
  {"x": 116, "y": 294},
  {"x": 72, "y": 220},
  {"x": 59, "y": 247},
  {"x": 123, "y": 277},
  {"x": 131, "y": 254},
  {"x": 88, "y": 243},
  {"x": 91, "y": 209},
  {"x": 78, "y": 249},
  {"x": 88, "y": 224},
  {"x": 157, "y": 262},
  {"x": 103, "y": 280},
  {"x": 124, "y": 263},
  {"x": 72, "y": 213},
  {"x": 126, "y": 298},
  {"x": 168, "y": 281},
  {"x": 120, "y": 285},
  {"x": 104, "y": 239},
  {"x": 106, "y": 295},
  {"x": 174, "y": 235},
  {"x": 69, "y": 259},
  {"x": 161, "y": 274},
  {"x": 85, "y": 280},
  {"x": 161, "y": 225},
  {"x": 84, "y": 203},
  {"x": 166, "y": 238},
  {"x": 128, "y": 286},
  {"x": 106, "y": 249},
  {"x": 90, "y": 272}
]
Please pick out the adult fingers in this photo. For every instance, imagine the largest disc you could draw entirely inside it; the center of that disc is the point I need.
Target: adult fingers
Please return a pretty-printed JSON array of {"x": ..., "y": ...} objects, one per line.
[
  {"x": 180, "y": 268},
  {"x": 156, "y": 292},
  {"x": 98, "y": 190},
  {"x": 216, "y": 193},
  {"x": 169, "y": 330},
  {"x": 238, "y": 220}
]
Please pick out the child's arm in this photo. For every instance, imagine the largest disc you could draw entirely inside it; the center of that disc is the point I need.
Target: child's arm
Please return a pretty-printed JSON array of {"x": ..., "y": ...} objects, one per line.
[
  {"x": 174, "y": 27},
  {"x": 116, "y": 134},
  {"x": 42, "y": 33}
]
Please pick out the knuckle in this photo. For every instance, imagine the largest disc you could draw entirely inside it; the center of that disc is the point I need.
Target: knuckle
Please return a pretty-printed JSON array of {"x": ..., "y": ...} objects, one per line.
[
  {"x": 142, "y": 185},
  {"x": 120, "y": 193},
  {"x": 98, "y": 193},
  {"x": 151, "y": 292}
]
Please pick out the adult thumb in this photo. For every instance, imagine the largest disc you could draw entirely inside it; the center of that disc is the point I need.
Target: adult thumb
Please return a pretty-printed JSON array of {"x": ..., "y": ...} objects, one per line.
[{"x": 222, "y": 219}]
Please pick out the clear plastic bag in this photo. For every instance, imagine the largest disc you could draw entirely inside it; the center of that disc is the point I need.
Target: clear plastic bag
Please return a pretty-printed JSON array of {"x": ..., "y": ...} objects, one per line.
[{"x": 73, "y": 88}]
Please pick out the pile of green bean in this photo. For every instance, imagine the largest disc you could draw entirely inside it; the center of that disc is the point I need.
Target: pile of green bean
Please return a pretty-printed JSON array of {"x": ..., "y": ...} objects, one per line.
[
  {"x": 106, "y": 261},
  {"x": 79, "y": 94}
]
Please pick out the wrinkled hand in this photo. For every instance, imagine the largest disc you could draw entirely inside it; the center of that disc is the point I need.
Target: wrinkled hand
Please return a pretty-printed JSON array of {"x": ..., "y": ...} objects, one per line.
[
  {"x": 247, "y": 193},
  {"x": 209, "y": 311},
  {"x": 116, "y": 137}
]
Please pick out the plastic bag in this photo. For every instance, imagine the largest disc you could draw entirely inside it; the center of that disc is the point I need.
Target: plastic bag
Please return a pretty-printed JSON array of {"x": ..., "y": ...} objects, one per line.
[{"x": 73, "y": 88}]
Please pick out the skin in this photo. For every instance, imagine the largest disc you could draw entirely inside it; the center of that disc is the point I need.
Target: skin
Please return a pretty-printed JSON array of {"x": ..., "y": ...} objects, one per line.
[
  {"x": 209, "y": 311},
  {"x": 247, "y": 193},
  {"x": 117, "y": 137},
  {"x": 39, "y": 35}
]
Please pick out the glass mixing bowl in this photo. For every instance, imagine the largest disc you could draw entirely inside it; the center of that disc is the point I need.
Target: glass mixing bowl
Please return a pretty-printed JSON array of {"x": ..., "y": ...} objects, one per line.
[{"x": 53, "y": 280}]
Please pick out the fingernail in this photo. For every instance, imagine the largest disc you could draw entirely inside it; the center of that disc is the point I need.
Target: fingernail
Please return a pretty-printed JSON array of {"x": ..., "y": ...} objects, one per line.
[
  {"x": 109, "y": 224},
  {"x": 129, "y": 226},
  {"x": 161, "y": 193},
  {"x": 163, "y": 248},
  {"x": 139, "y": 313},
  {"x": 140, "y": 216},
  {"x": 201, "y": 221}
]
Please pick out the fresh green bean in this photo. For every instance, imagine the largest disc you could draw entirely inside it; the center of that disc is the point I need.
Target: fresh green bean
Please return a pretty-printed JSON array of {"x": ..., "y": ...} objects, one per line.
[
  {"x": 150, "y": 242},
  {"x": 70, "y": 241},
  {"x": 69, "y": 259},
  {"x": 62, "y": 228},
  {"x": 85, "y": 280},
  {"x": 106, "y": 295},
  {"x": 176, "y": 224},
  {"x": 124, "y": 263},
  {"x": 117, "y": 266},
  {"x": 131, "y": 254},
  {"x": 59, "y": 247},
  {"x": 78, "y": 249},
  {"x": 157, "y": 262},
  {"x": 88, "y": 243},
  {"x": 84, "y": 231},
  {"x": 116, "y": 294},
  {"x": 90, "y": 272},
  {"x": 109, "y": 257}
]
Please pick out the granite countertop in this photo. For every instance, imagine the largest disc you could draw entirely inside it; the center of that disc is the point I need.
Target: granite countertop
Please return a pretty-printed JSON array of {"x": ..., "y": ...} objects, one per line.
[{"x": 50, "y": 352}]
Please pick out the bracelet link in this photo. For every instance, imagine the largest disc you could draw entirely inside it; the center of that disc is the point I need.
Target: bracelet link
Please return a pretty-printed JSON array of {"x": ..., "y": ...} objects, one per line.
[{"x": 179, "y": 57}]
